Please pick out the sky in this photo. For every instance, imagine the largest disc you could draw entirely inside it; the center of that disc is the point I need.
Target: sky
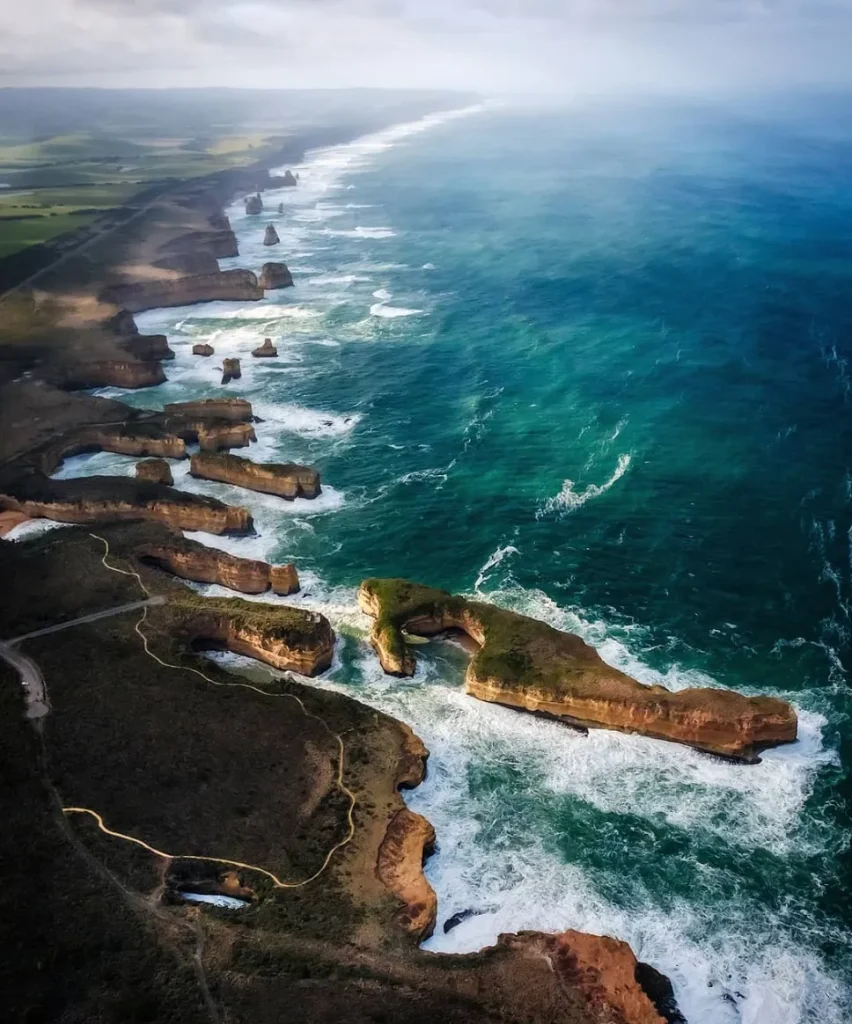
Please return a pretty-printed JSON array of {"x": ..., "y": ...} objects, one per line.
[{"x": 494, "y": 46}]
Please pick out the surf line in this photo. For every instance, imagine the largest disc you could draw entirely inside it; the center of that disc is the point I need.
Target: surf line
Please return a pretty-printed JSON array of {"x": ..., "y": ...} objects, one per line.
[{"x": 341, "y": 785}]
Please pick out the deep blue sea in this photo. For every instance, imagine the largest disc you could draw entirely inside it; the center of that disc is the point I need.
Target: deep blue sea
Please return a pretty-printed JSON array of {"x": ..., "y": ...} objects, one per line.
[{"x": 592, "y": 364}]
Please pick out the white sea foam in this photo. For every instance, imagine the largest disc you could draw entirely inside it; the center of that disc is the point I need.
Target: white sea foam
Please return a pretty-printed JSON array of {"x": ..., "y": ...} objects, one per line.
[
  {"x": 493, "y": 561},
  {"x": 567, "y": 500},
  {"x": 32, "y": 528},
  {"x": 382, "y": 309},
  {"x": 294, "y": 419},
  {"x": 383, "y": 294},
  {"x": 364, "y": 232}
]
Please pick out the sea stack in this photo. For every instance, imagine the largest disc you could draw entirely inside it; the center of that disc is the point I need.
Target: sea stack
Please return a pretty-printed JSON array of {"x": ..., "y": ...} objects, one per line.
[
  {"x": 158, "y": 471},
  {"x": 202, "y": 350},
  {"x": 270, "y": 236},
  {"x": 230, "y": 370},
  {"x": 280, "y": 207},
  {"x": 266, "y": 350},
  {"x": 289, "y": 180},
  {"x": 275, "y": 275},
  {"x": 254, "y": 204}
]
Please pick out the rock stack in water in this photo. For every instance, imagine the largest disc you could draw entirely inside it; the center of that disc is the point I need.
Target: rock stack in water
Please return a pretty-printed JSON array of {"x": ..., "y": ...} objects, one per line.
[
  {"x": 270, "y": 236},
  {"x": 289, "y": 180},
  {"x": 230, "y": 370},
  {"x": 254, "y": 204},
  {"x": 156, "y": 470},
  {"x": 275, "y": 275},
  {"x": 280, "y": 207},
  {"x": 202, "y": 350},
  {"x": 265, "y": 350}
]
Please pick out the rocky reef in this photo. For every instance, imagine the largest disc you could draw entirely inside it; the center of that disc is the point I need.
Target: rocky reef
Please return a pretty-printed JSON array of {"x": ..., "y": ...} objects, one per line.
[
  {"x": 270, "y": 236},
  {"x": 524, "y": 663},
  {"x": 266, "y": 350},
  {"x": 231, "y": 370},
  {"x": 291, "y": 639},
  {"x": 225, "y": 285},
  {"x": 202, "y": 349},
  {"x": 409, "y": 839},
  {"x": 106, "y": 499},
  {"x": 286, "y": 480},
  {"x": 275, "y": 275},
  {"x": 190, "y": 560},
  {"x": 158, "y": 471}
]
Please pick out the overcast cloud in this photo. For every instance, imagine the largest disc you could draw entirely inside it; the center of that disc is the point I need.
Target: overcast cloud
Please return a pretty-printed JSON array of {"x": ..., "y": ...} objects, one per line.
[{"x": 561, "y": 46}]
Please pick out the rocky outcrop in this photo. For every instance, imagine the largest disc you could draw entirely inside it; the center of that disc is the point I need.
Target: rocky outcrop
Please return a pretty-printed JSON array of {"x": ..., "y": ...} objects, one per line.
[
  {"x": 201, "y": 262},
  {"x": 136, "y": 440},
  {"x": 238, "y": 410},
  {"x": 275, "y": 275},
  {"x": 524, "y": 663},
  {"x": 219, "y": 241},
  {"x": 9, "y": 520},
  {"x": 193, "y": 561},
  {"x": 413, "y": 755},
  {"x": 115, "y": 499},
  {"x": 202, "y": 349},
  {"x": 220, "y": 435},
  {"x": 148, "y": 347},
  {"x": 224, "y": 285},
  {"x": 286, "y": 480},
  {"x": 280, "y": 207},
  {"x": 270, "y": 236},
  {"x": 158, "y": 471},
  {"x": 254, "y": 204},
  {"x": 408, "y": 841},
  {"x": 108, "y": 373},
  {"x": 288, "y": 180},
  {"x": 266, "y": 350},
  {"x": 231, "y": 370},
  {"x": 600, "y": 971},
  {"x": 291, "y": 639}
]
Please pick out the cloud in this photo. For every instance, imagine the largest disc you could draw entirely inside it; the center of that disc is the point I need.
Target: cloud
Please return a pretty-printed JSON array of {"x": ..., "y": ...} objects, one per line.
[{"x": 493, "y": 45}]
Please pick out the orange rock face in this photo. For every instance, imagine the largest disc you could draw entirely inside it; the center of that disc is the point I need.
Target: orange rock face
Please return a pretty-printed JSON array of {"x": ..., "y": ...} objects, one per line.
[
  {"x": 526, "y": 664},
  {"x": 409, "y": 839},
  {"x": 202, "y": 350},
  {"x": 286, "y": 480},
  {"x": 120, "y": 440},
  {"x": 238, "y": 410},
  {"x": 193, "y": 561},
  {"x": 9, "y": 520},
  {"x": 600, "y": 970},
  {"x": 226, "y": 285},
  {"x": 114, "y": 373}
]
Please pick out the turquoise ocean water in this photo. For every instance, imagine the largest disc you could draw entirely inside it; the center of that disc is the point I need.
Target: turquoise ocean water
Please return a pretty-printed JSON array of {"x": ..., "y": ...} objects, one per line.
[{"x": 594, "y": 366}]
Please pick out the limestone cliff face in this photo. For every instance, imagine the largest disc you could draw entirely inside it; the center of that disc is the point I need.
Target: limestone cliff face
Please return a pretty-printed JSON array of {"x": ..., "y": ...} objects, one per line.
[
  {"x": 158, "y": 471},
  {"x": 148, "y": 347},
  {"x": 600, "y": 970},
  {"x": 226, "y": 285},
  {"x": 286, "y": 480},
  {"x": 286, "y": 638},
  {"x": 409, "y": 839},
  {"x": 526, "y": 664},
  {"x": 411, "y": 769},
  {"x": 236, "y": 409},
  {"x": 218, "y": 241},
  {"x": 275, "y": 275},
  {"x": 120, "y": 440},
  {"x": 193, "y": 561},
  {"x": 9, "y": 520},
  {"x": 201, "y": 262},
  {"x": 109, "y": 373},
  {"x": 115, "y": 499}
]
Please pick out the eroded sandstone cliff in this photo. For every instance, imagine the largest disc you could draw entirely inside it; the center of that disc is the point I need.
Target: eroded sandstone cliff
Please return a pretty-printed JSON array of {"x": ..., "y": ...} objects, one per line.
[
  {"x": 225, "y": 285},
  {"x": 526, "y": 664},
  {"x": 190, "y": 560},
  {"x": 408, "y": 841},
  {"x": 286, "y": 480}
]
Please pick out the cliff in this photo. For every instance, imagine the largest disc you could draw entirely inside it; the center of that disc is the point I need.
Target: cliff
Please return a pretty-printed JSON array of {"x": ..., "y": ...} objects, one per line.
[
  {"x": 287, "y": 480},
  {"x": 408, "y": 840},
  {"x": 254, "y": 204},
  {"x": 190, "y": 560},
  {"x": 106, "y": 373},
  {"x": 526, "y": 664},
  {"x": 287, "y": 638},
  {"x": 214, "y": 423},
  {"x": 133, "y": 439},
  {"x": 115, "y": 499},
  {"x": 288, "y": 180},
  {"x": 148, "y": 347},
  {"x": 236, "y": 409},
  {"x": 224, "y": 285},
  {"x": 275, "y": 275}
]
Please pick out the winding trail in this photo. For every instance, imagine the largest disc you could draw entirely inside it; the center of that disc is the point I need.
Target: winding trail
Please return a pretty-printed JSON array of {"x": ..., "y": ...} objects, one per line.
[{"x": 341, "y": 785}]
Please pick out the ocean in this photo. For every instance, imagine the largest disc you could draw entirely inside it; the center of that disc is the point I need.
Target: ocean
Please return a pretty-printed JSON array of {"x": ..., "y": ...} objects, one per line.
[{"x": 592, "y": 364}]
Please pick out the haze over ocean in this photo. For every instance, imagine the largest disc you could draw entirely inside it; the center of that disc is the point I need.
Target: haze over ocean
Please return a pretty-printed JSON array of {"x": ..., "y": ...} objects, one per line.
[{"x": 593, "y": 365}]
